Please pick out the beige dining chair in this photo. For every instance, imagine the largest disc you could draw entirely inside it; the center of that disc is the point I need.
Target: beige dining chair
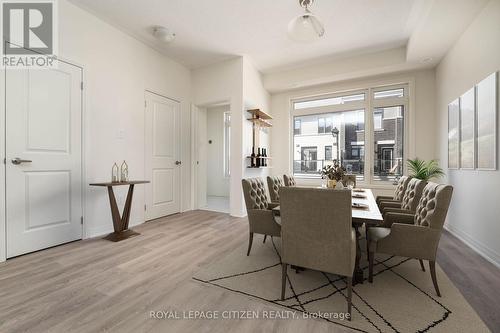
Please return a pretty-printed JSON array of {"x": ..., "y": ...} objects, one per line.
[
  {"x": 414, "y": 236},
  {"x": 289, "y": 180},
  {"x": 347, "y": 178},
  {"x": 398, "y": 192},
  {"x": 259, "y": 210},
  {"x": 410, "y": 199},
  {"x": 317, "y": 233},
  {"x": 273, "y": 185}
]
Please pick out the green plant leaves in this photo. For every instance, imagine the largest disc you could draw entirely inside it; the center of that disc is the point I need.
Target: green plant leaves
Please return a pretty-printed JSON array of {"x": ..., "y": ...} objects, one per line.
[{"x": 424, "y": 170}]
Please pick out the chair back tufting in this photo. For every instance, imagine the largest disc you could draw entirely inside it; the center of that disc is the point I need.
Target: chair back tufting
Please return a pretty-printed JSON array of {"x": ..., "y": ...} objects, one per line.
[
  {"x": 347, "y": 178},
  {"x": 289, "y": 180},
  {"x": 273, "y": 185},
  {"x": 254, "y": 191},
  {"x": 433, "y": 205},
  {"x": 401, "y": 188},
  {"x": 413, "y": 194}
]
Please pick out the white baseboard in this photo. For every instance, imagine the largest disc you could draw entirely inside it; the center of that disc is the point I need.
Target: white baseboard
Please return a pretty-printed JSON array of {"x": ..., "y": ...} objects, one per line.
[{"x": 478, "y": 247}]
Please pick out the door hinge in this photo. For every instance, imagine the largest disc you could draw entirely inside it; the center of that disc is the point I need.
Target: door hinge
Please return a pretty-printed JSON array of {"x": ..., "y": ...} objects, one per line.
[
  {"x": 4, "y": 160},
  {"x": 145, "y": 207},
  {"x": 81, "y": 85},
  {"x": 81, "y": 220},
  {"x": 145, "y": 104}
]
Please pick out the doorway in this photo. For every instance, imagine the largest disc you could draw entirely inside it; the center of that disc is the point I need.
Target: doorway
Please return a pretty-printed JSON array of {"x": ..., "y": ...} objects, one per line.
[
  {"x": 162, "y": 156},
  {"x": 212, "y": 156},
  {"x": 43, "y": 142}
]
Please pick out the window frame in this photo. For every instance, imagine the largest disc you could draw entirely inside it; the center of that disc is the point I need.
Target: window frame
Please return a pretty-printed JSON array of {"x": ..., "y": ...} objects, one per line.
[
  {"x": 227, "y": 144},
  {"x": 369, "y": 105}
]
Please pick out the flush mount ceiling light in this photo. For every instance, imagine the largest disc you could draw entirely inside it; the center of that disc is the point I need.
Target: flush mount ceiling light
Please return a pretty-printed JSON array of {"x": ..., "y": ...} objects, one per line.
[
  {"x": 306, "y": 27},
  {"x": 164, "y": 34}
]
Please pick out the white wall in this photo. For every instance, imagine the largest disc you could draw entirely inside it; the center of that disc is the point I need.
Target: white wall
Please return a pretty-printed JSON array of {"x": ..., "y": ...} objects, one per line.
[
  {"x": 422, "y": 84},
  {"x": 118, "y": 69},
  {"x": 217, "y": 183},
  {"x": 474, "y": 214},
  {"x": 255, "y": 97}
]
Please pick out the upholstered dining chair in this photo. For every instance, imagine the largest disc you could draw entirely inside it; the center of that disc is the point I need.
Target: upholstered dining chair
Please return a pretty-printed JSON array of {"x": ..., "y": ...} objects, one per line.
[
  {"x": 398, "y": 192},
  {"x": 289, "y": 180},
  {"x": 410, "y": 199},
  {"x": 347, "y": 178},
  {"x": 273, "y": 185},
  {"x": 259, "y": 210},
  {"x": 317, "y": 233},
  {"x": 414, "y": 236}
]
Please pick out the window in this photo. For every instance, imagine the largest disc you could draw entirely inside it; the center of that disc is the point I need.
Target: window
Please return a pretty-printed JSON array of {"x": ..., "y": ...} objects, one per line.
[
  {"x": 309, "y": 160},
  {"x": 328, "y": 153},
  {"x": 296, "y": 127},
  {"x": 377, "y": 119},
  {"x": 329, "y": 101},
  {"x": 336, "y": 145},
  {"x": 328, "y": 125},
  {"x": 335, "y": 125},
  {"x": 389, "y": 93},
  {"x": 388, "y": 143},
  {"x": 227, "y": 143},
  {"x": 321, "y": 125}
]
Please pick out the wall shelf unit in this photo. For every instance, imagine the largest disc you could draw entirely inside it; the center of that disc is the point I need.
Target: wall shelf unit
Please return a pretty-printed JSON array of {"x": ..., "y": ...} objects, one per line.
[{"x": 259, "y": 120}]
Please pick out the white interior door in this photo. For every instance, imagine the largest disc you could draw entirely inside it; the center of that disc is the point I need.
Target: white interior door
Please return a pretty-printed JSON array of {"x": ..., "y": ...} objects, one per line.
[
  {"x": 43, "y": 158},
  {"x": 162, "y": 156}
]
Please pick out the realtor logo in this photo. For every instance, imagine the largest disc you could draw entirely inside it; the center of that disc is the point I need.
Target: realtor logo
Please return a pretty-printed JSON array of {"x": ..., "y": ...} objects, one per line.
[{"x": 29, "y": 31}]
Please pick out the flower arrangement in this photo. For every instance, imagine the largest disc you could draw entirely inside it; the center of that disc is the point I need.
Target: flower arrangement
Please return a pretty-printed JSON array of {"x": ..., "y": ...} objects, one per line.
[{"x": 333, "y": 171}]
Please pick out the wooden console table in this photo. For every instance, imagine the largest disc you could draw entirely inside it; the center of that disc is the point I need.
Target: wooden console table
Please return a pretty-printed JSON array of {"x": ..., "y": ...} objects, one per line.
[{"x": 120, "y": 224}]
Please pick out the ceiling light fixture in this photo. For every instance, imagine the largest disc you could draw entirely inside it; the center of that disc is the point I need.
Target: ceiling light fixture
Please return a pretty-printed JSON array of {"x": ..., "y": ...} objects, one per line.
[
  {"x": 163, "y": 34},
  {"x": 306, "y": 27}
]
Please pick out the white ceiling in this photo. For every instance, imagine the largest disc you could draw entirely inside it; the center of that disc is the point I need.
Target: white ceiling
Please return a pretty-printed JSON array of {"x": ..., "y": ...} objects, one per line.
[{"x": 209, "y": 31}]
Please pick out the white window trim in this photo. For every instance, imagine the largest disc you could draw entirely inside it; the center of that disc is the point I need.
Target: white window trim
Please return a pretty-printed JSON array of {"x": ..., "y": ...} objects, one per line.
[
  {"x": 227, "y": 143},
  {"x": 368, "y": 104}
]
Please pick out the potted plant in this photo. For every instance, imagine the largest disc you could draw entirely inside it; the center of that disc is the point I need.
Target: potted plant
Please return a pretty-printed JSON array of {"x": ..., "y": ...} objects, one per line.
[
  {"x": 421, "y": 169},
  {"x": 333, "y": 173}
]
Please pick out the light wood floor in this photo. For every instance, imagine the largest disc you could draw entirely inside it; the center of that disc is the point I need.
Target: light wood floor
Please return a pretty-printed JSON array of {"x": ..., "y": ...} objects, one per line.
[{"x": 95, "y": 285}]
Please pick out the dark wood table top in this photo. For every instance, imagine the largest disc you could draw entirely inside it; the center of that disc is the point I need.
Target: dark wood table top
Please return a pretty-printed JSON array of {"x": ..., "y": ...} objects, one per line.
[
  {"x": 131, "y": 182},
  {"x": 370, "y": 215}
]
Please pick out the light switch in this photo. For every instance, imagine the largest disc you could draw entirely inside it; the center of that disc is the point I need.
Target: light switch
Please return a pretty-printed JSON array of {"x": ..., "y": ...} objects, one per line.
[{"x": 120, "y": 134}]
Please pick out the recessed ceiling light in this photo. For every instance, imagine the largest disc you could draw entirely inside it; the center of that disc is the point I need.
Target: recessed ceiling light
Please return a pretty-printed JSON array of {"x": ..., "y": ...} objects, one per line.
[
  {"x": 164, "y": 34},
  {"x": 426, "y": 60}
]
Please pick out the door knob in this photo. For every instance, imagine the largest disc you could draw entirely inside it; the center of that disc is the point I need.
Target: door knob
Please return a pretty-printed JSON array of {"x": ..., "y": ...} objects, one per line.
[
  {"x": 18, "y": 161},
  {"x": 178, "y": 162}
]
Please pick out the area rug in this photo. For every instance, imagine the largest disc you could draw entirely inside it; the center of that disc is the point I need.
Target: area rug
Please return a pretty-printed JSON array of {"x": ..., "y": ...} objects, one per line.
[{"x": 400, "y": 299}]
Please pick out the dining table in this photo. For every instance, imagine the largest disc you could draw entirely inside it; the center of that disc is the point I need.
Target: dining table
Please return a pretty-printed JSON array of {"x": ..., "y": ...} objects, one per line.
[{"x": 365, "y": 212}]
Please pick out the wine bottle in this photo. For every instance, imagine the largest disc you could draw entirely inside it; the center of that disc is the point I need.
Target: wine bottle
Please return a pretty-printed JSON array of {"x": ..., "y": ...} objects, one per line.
[
  {"x": 252, "y": 158},
  {"x": 264, "y": 154},
  {"x": 258, "y": 158}
]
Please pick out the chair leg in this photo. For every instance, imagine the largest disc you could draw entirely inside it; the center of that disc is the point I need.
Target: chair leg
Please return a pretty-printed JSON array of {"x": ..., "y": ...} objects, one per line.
[
  {"x": 432, "y": 267},
  {"x": 367, "y": 241},
  {"x": 283, "y": 280},
  {"x": 349, "y": 297},
  {"x": 422, "y": 264},
  {"x": 250, "y": 240},
  {"x": 265, "y": 236},
  {"x": 371, "y": 256}
]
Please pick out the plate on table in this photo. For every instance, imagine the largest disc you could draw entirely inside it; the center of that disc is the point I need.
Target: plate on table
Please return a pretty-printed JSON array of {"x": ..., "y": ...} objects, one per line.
[
  {"x": 360, "y": 205},
  {"x": 359, "y": 196},
  {"x": 358, "y": 190}
]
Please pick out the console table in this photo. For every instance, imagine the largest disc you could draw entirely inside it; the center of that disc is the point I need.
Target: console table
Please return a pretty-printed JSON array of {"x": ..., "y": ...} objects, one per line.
[{"x": 120, "y": 223}]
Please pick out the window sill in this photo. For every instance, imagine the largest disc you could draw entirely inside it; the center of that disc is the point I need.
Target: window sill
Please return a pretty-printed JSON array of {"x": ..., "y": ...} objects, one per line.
[{"x": 315, "y": 181}]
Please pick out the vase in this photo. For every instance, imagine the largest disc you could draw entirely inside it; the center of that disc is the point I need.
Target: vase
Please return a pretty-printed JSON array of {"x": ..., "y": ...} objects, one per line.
[
  {"x": 339, "y": 186},
  {"x": 331, "y": 183}
]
